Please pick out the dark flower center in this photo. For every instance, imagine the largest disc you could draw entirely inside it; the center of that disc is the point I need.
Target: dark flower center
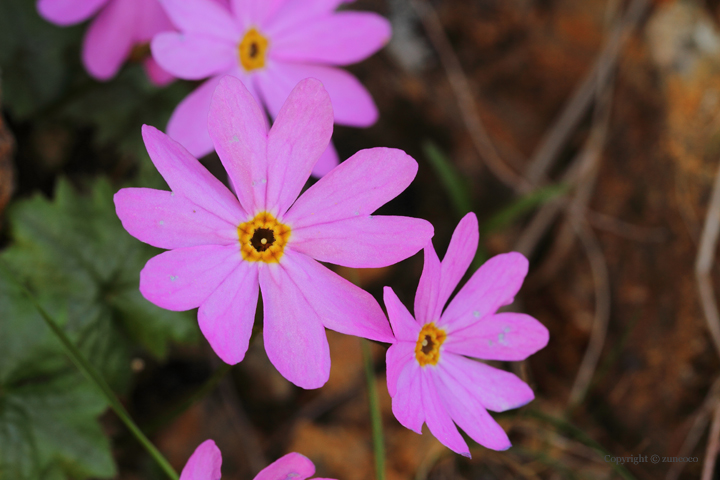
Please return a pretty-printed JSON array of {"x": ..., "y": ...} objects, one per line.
[
  {"x": 254, "y": 50},
  {"x": 262, "y": 239},
  {"x": 427, "y": 344}
]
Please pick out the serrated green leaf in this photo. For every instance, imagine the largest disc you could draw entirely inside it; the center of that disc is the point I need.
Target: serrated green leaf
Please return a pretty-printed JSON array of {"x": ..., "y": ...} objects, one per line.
[
  {"x": 84, "y": 270},
  {"x": 49, "y": 429}
]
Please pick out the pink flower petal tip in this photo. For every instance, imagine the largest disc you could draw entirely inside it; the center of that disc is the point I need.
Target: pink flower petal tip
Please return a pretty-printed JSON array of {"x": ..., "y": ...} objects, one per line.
[{"x": 205, "y": 463}]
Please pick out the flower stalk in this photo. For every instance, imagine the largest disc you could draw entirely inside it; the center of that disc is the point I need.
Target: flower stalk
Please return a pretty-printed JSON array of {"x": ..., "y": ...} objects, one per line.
[{"x": 375, "y": 414}]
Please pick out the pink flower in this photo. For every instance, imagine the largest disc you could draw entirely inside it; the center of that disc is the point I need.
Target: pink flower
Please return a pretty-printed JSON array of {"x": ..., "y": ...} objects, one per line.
[
  {"x": 429, "y": 376},
  {"x": 205, "y": 462},
  {"x": 223, "y": 249},
  {"x": 270, "y": 46},
  {"x": 120, "y": 25}
]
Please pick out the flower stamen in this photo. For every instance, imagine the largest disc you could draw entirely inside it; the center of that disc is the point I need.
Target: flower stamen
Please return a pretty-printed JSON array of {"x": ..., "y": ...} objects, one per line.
[
  {"x": 263, "y": 239},
  {"x": 427, "y": 349},
  {"x": 252, "y": 50}
]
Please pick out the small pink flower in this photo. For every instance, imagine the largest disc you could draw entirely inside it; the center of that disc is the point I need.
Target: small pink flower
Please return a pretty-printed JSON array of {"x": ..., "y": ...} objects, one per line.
[
  {"x": 270, "y": 46},
  {"x": 120, "y": 25},
  {"x": 429, "y": 376},
  {"x": 205, "y": 463},
  {"x": 223, "y": 248}
]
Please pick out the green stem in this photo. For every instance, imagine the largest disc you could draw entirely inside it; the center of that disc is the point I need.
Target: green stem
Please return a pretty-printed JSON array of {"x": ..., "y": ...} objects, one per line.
[
  {"x": 94, "y": 377},
  {"x": 375, "y": 414}
]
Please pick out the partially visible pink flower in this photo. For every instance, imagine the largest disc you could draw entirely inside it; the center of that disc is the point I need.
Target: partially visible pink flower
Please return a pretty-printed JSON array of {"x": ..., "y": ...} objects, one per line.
[
  {"x": 205, "y": 463},
  {"x": 430, "y": 377},
  {"x": 270, "y": 46},
  {"x": 224, "y": 249},
  {"x": 119, "y": 26}
]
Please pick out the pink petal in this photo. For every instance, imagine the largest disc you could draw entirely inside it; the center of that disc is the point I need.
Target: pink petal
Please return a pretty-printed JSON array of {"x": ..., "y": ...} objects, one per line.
[
  {"x": 68, "y": 12},
  {"x": 340, "y": 305},
  {"x": 494, "y": 285},
  {"x": 292, "y": 466},
  {"x": 299, "y": 136},
  {"x": 427, "y": 304},
  {"x": 193, "y": 56},
  {"x": 403, "y": 324},
  {"x": 328, "y": 160},
  {"x": 204, "y": 464},
  {"x": 338, "y": 39},
  {"x": 352, "y": 103},
  {"x": 294, "y": 336},
  {"x": 296, "y": 13},
  {"x": 184, "y": 278},
  {"x": 503, "y": 336},
  {"x": 494, "y": 389},
  {"x": 151, "y": 20},
  {"x": 364, "y": 241},
  {"x": 438, "y": 281},
  {"x": 109, "y": 39},
  {"x": 469, "y": 389},
  {"x": 459, "y": 256},
  {"x": 398, "y": 355},
  {"x": 407, "y": 404},
  {"x": 156, "y": 74},
  {"x": 238, "y": 130},
  {"x": 189, "y": 122},
  {"x": 226, "y": 318},
  {"x": 187, "y": 177},
  {"x": 206, "y": 17},
  {"x": 166, "y": 220},
  {"x": 254, "y": 13},
  {"x": 436, "y": 414},
  {"x": 357, "y": 187}
]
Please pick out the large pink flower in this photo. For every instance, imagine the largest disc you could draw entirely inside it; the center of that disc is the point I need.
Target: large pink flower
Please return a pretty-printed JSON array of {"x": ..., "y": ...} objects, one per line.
[
  {"x": 205, "y": 463},
  {"x": 120, "y": 25},
  {"x": 270, "y": 46},
  {"x": 224, "y": 248},
  {"x": 429, "y": 376}
]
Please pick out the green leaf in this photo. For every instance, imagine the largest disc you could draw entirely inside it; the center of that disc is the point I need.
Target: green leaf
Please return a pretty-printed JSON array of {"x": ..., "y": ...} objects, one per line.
[
  {"x": 48, "y": 429},
  {"x": 35, "y": 57},
  {"x": 128, "y": 101},
  {"x": 84, "y": 270}
]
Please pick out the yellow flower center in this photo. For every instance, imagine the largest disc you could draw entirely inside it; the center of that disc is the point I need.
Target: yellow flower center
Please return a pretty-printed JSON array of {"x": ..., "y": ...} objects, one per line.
[
  {"x": 263, "y": 239},
  {"x": 252, "y": 50},
  {"x": 427, "y": 349}
]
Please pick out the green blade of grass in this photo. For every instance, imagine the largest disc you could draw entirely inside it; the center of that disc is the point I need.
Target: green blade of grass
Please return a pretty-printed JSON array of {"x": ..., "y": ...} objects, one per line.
[
  {"x": 523, "y": 205},
  {"x": 453, "y": 184}
]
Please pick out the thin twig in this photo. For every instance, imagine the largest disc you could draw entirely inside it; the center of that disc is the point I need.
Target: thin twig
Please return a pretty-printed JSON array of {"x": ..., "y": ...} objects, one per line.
[
  {"x": 704, "y": 262},
  {"x": 589, "y": 166},
  {"x": 696, "y": 430},
  {"x": 625, "y": 229},
  {"x": 602, "y": 311},
  {"x": 583, "y": 97},
  {"x": 465, "y": 101},
  {"x": 712, "y": 447}
]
